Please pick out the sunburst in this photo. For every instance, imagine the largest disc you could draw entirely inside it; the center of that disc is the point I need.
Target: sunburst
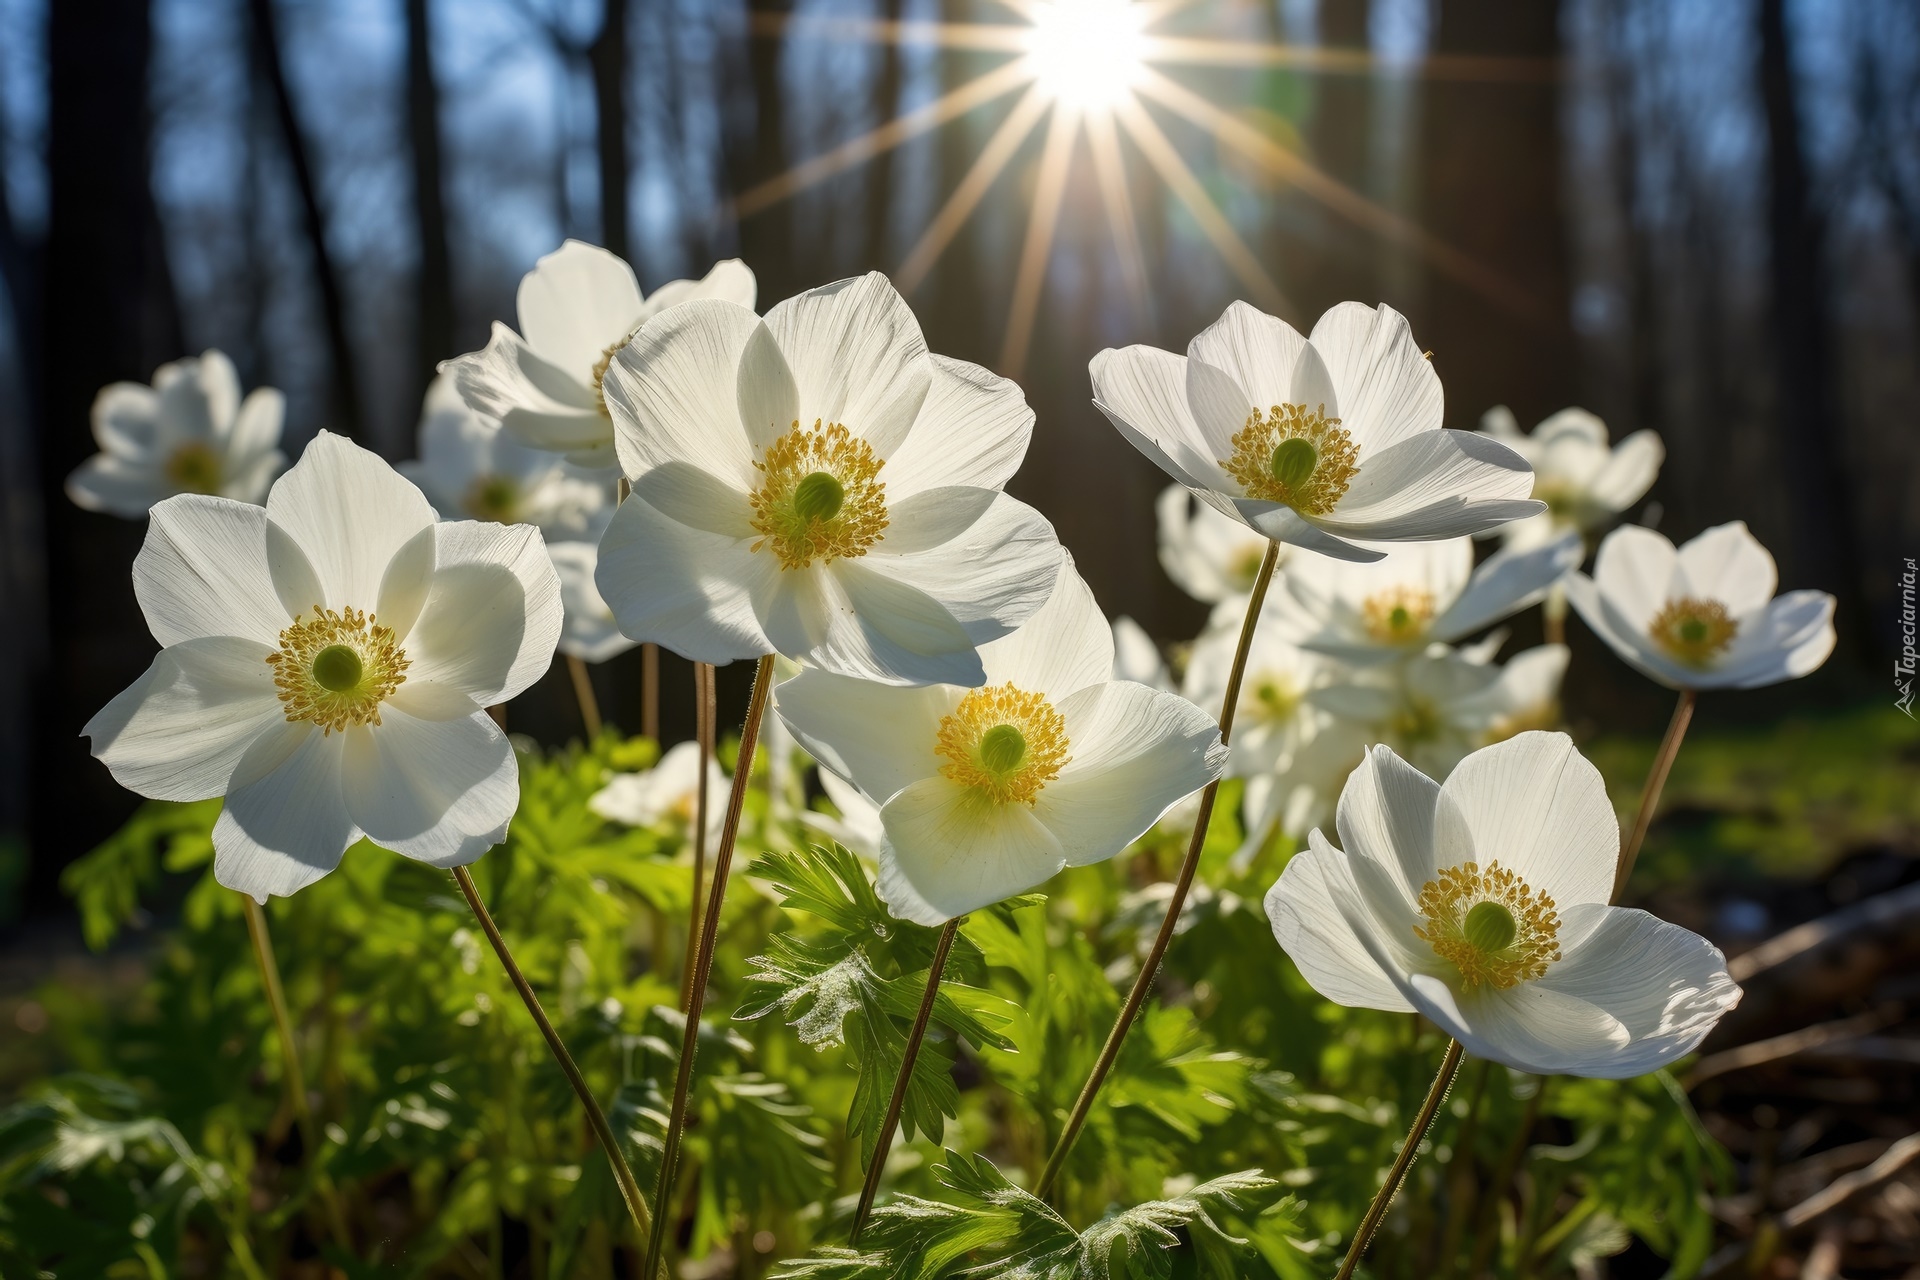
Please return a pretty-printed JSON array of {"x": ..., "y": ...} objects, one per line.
[{"x": 1090, "y": 69}]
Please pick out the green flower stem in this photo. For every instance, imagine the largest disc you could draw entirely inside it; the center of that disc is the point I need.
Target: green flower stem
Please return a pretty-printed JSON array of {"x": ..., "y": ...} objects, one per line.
[
  {"x": 1485, "y": 1237},
  {"x": 1403, "y": 1161},
  {"x": 1110, "y": 1051},
  {"x": 1460, "y": 1200},
  {"x": 912, "y": 1052},
  {"x": 703, "y": 960},
  {"x": 290, "y": 1060},
  {"x": 583, "y": 693},
  {"x": 650, "y": 691},
  {"x": 703, "y": 719},
  {"x": 629, "y": 1189},
  {"x": 1656, "y": 782}
]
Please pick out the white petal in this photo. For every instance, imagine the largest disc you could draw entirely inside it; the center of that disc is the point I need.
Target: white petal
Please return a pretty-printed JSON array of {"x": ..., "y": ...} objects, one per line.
[
  {"x": 1630, "y": 471},
  {"x": 992, "y": 577},
  {"x": 1313, "y": 908},
  {"x": 350, "y": 512},
  {"x": 1143, "y": 392},
  {"x": 857, "y": 356},
  {"x": 1136, "y": 752},
  {"x": 1389, "y": 813},
  {"x": 1065, "y": 646},
  {"x": 589, "y": 631},
  {"x": 1726, "y": 563},
  {"x": 203, "y": 572},
  {"x": 104, "y": 483},
  {"x": 408, "y": 580},
  {"x": 1791, "y": 637},
  {"x": 1284, "y": 524},
  {"x": 1635, "y": 572},
  {"x": 1536, "y": 806},
  {"x": 538, "y": 403},
  {"x": 1629, "y": 643},
  {"x": 126, "y": 418},
  {"x": 178, "y": 731},
  {"x": 575, "y": 303},
  {"x": 682, "y": 587},
  {"x": 730, "y": 280},
  {"x": 1437, "y": 484},
  {"x": 493, "y": 616},
  {"x": 1388, "y": 389},
  {"x": 438, "y": 791},
  {"x": 198, "y": 399},
  {"x": 285, "y": 824},
  {"x": 888, "y": 630},
  {"x": 674, "y": 392},
  {"x": 949, "y": 851},
  {"x": 1258, "y": 351},
  {"x": 683, "y": 492},
  {"x": 1509, "y": 581},
  {"x": 769, "y": 398},
  {"x": 1220, "y": 410},
  {"x": 973, "y": 429},
  {"x": 257, "y": 428},
  {"x": 877, "y": 737}
]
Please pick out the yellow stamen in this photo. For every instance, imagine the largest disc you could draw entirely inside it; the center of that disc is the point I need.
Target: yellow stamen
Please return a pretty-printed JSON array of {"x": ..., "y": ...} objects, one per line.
[
  {"x": 1004, "y": 742},
  {"x": 1294, "y": 455},
  {"x": 1693, "y": 631},
  {"x": 495, "y": 498},
  {"x": 822, "y": 498},
  {"x": 337, "y": 669},
  {"x": 600, "y": 368},
  {"x": 1398, "y": 615},
  {"x": 194, "y": 468},
  {"x": 1489, "y": 924}
]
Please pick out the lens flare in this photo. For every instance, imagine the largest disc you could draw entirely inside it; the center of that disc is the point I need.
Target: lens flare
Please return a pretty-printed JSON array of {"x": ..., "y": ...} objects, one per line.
[{"x": 1088, "y": 54}]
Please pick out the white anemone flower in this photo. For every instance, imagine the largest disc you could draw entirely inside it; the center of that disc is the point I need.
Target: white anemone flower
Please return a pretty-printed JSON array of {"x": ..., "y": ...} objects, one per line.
[
  {"x": 987, "y": 792},
  {"x": 1585, "y": 484},
  {"x": 1483, "y": 904},
  {"x": 591, "y": 634},
  {"x": 668, "y": 793},
  {"x": 1211, "y": 557},
  {"x": 190, "y": 432},
  {"x": 1136, "y": 657},
  {"x": 1323, "y": 441},
  {"x": 577, "y": 307},
  {"x": 817, "y": 485},
  {"x": 327, "y": 665},
  {"x": 1421, "y": 593},
  {"x": 1703, "y": 616},
  {"x": 857, "y": 826},
  {"x": 1439, "y": 706}
]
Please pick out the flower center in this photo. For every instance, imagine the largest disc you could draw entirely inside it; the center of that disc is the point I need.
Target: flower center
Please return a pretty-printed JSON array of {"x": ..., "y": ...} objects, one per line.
[
  {"x": 495, "y": 498},
  {"x": 194, "y": 468},
  {"x": 822, "y": 497},
  {"x": 600, "y": 368},
  {"x": 1418, "y": 721},
  {"x": 1294, "y": 455},
  {"x": 1274, "y": 698},
  {"x": 1004, "y": 742},
  {"x": 337, "y": 669},
  {"x": 1693, "y": 631},
  {"x": 1398, "y": 614},
  {"x": 1489, "y": 924}
]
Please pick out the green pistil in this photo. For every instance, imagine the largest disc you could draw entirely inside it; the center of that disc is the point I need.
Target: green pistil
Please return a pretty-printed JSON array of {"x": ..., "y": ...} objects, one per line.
[
  {"x": 337, "y": 668},
  {"x": 1293, "y": 462},
  {"x": 1002, "y": 748},
  {"x": 1489, "y": 928},
  {"x": 818, "y": 496}
]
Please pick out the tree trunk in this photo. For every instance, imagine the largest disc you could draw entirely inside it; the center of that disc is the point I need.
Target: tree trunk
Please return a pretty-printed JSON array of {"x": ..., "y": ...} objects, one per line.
[
  {"x": 757, "y": 150},
  {"x": 607, "y": 58},
  {"x": 1806, "y": 416},
  {"x": 345, "y": 415},
  {"x": 1504, "y": 138},
  {"x": 886, "y": 102},
  {"x": 434, "y": 330},
  {"x": 106, "y": 313}
]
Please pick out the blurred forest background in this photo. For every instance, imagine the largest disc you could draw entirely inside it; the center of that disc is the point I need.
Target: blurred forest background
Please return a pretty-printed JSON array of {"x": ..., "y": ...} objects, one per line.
[{"x": 1700, "y": 216}]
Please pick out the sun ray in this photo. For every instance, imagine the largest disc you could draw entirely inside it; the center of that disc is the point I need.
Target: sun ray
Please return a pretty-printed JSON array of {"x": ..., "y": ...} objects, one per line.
[
  {"x": 1104, "y": 145},
  {"x": 979, "y": 179},
  {"x": 1296, "y": 169},
  {"x": 1200, "y": 51},
  {"x": 1049, "y": 191},
  {"x": 979, "y": 91},
  {"x": 993, "y": 37},
  {"x": 1160, "y": 153}
]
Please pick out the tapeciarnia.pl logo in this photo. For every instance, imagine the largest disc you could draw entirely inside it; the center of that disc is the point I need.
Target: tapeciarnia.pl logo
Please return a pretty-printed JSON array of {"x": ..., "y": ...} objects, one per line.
[{"x": 1903, "y": 666}]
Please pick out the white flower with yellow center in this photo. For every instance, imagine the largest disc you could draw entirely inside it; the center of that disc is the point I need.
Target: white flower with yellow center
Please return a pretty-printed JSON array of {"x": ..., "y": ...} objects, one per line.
[
  {"x": 577, "y": 307},
  {"x": 987, "y": 792},
  {"x": 1438, "y": 706},
  {"x": 668, "y": 793},
  {"x": 1585, "y": 484},
  {"x": 817, "y": 485},
  {"x": 326, "y": 667},
  {"x": 1421, "y": 593},
  {"x": 190, "y": 432},
  {"x": 1211, "y": 557},
  {"x": 1483, "y": 904},
  {"x": 1703, "y": 616},
  {"x": 1324, "y": 441}
]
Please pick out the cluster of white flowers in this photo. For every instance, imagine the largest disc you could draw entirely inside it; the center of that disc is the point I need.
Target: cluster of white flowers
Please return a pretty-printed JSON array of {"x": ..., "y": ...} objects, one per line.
[{"x": 815, "y": 485}]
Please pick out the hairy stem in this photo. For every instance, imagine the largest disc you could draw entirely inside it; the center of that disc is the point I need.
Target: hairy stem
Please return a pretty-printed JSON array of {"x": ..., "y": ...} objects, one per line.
[
  {"x": 703, "y": 718},
  {"x": 1656, "y": 782},
  {"x": 583, "y": 693},
  {"x": 899, "y": 1099},
  {"x": 703, "y": 958},
  {"x": 629, "y": 1189},
  {"x": 290, "y": 1064},
  {"x": 1148, "y": 970},
  {"x": 1403, "y": 1161}
]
